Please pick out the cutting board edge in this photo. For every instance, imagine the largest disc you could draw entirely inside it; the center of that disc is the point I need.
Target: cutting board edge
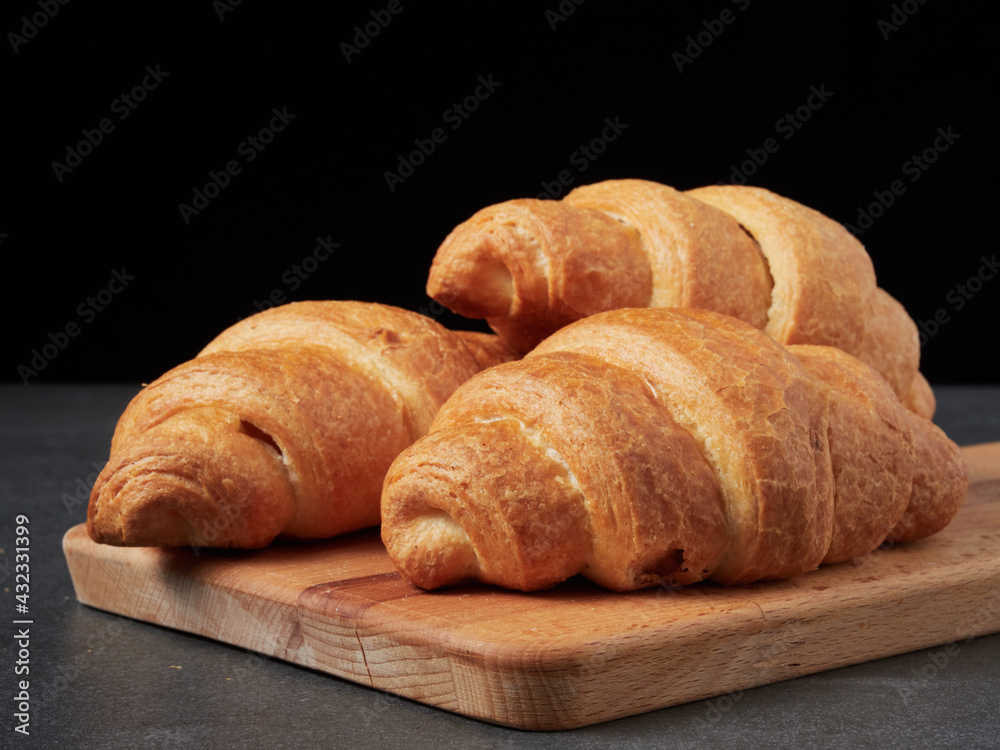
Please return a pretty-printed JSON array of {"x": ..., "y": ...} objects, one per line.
[
  {"x": 549, "y": 702},
  {"x": 564, "y": 715}
]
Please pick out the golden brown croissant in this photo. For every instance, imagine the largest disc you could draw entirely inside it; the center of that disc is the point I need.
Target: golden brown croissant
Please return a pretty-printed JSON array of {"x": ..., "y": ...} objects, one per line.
[
  {"x": 652, "y": 446},
  {"x": 284, "y": 425},
  {"x": 531, "y": 266}
]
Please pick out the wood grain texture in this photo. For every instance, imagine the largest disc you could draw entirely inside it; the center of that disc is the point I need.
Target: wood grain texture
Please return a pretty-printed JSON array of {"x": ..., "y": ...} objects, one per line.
[{"x": 574, "y": 655}]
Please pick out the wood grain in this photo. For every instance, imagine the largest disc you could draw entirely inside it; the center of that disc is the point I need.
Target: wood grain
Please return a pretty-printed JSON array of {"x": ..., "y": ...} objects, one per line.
[{"x": 572, "y": 656}]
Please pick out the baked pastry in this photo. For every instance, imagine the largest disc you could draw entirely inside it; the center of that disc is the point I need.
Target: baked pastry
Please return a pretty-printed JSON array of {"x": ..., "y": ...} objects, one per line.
[
  {"x": 531, "y": 266},
  {"x": 284, "y": 425},
  {"x": 488, "y": 348},
  {"x": 641, "y": 447}
]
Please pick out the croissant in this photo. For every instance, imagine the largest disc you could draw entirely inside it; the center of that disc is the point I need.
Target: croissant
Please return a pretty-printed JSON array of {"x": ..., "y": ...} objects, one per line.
[
  {"x": 659, "y": 446},
  {"x": 531, "y": 266},
  {"x": 283, "y": 425}
]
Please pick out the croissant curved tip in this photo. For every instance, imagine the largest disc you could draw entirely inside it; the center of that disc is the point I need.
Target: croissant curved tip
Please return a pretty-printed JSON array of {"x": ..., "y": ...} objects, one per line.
[
  {"x": 120, "y": 516},
  {"x": 150, "y": 524},
  {"x": 469, "y": 278},
  {"x": 435, "y": 551},
  {"x": 154, "y": 501}
]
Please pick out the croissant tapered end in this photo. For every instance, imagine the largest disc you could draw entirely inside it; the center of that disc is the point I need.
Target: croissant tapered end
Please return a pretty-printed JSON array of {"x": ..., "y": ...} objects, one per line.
[
  {"x": 469, "y": 277},
  {"x": 919, "y": 398},
  {"x": 530, "y": 266},
  {"x": 193, "y": 483},
  {"x": 940, "y": 482},
  {"x": 463, "y": 514},
  {"x": 871, "y": 450},
  {"x": 148, "y": 524},
  {"x": 171, "y": 513},
  {"x": 432, "y": 550}
]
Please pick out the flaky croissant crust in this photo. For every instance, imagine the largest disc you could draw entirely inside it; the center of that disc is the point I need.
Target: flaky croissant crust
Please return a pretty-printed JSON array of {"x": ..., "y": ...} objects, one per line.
[
  {"x": 282, "y": 426},
  {"x": 642, "y": 447},
  {"x": 531, "y": 266}
]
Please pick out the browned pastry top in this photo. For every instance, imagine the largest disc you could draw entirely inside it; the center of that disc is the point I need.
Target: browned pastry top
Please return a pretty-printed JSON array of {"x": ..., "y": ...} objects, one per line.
[
  {"x": 417, "y": 357},
  {"x": 758, "y": 418},
  {"x": 531, "y": 266},
  {"x": 283, "y": 425},
  {"x": 648, "y": 446}
]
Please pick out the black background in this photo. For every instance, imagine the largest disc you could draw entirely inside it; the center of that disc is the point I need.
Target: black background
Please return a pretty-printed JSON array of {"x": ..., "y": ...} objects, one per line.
[{"x": 890, "y": 90}]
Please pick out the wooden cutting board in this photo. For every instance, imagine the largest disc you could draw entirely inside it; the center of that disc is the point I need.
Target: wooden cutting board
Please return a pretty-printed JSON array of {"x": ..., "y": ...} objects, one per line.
[{"x": 574, "y": 655}]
